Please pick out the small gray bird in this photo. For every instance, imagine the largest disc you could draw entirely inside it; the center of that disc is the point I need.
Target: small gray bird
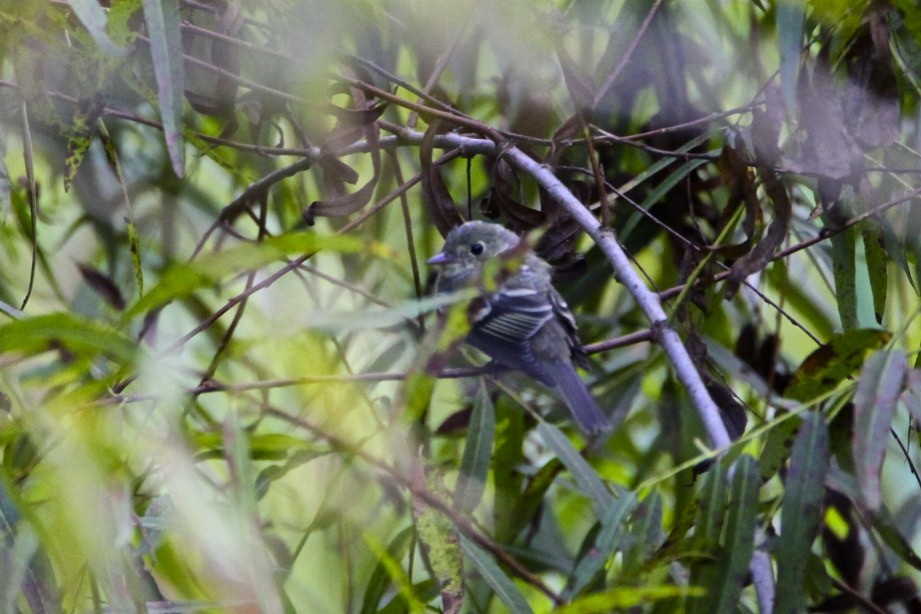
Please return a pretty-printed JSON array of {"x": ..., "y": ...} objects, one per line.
[{"x": 525, "y": 324}]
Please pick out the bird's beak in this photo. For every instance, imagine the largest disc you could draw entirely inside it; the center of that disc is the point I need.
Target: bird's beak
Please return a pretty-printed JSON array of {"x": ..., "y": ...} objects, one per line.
[{"x": 439, "y": 258}]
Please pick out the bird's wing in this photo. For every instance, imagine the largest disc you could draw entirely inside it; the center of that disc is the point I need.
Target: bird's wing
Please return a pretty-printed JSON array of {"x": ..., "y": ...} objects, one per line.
[
  {"x": 503, "y": 329},
  {"x": 564, "y": 316}
]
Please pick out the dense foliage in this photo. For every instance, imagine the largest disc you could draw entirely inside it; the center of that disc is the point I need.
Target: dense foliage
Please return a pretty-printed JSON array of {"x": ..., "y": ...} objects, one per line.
[{"x": 224, "y": 386}]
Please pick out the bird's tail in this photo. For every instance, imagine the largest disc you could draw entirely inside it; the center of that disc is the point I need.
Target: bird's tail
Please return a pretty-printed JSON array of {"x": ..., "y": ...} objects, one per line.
[{"x": 583, "y": 407}]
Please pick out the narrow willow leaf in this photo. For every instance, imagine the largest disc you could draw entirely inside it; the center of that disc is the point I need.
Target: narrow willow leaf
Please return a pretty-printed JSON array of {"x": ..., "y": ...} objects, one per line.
[
  {"x": 790, "y": 18},
  {"x": 800, "y": 511},
  {"x": 881, "y": 382},
  {"x": 646, "y": 534},
  {"x": 526, "y": 505},
  {"x": 885, "y": 526},
  {"x": 586, "y": 477},
  {"x": 181, "y": 280},
  {"x": 270, "y": 474},
  {"x": 613, "y": 529},
  {"x": 777, "y": 447},
  {"x": 844, "y": 269},
  {"x": 738, "y": 540},
  {"x": 380, "y": 581},
  {"x": 512, "y": 510},
  {"x": 28, "y": 572},
  {"x": 911, "y": 396},
  {"x": 500, "y": 583},
  {"x": 162, "y": 19},
  {"x": 877, "y": 260},
  {"x": 135, "y": 246},
  {"x": 711, "y": 509},
  {"x": 659, "y": 190},
  {"x": 395, "y": 570},
  {"x": 708, "y": 525},
  {"x": 477, "y": 453},
  {"x": 93, "y": 17},
  {"x": 6, "y": 186},
  {"x": 80, "y": 335},
  {"x": 882, "y": 521}
]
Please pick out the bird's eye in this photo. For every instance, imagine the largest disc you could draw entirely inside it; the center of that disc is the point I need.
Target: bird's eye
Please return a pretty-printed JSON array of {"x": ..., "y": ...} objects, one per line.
[{"x": 477, "y": 248}]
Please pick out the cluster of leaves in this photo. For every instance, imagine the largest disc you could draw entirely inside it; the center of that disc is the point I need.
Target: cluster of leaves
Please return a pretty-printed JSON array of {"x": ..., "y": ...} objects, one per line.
[{"x": 221, "y": 388}]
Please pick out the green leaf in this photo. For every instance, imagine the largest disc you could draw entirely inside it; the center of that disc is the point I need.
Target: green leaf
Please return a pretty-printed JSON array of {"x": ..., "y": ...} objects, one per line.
[
  {"x": 162, "y": 19},
  {"x": 881, "y": 383},
  {"x": 28, "y": 572},
  {"x": 877, "y": 259},
  {"x": 500, "y": 583},
  {"x": 790, "y": 18},
  {"x": 800, "y": 511},
  {"x": 380, "y": 581},
  {"x": 93, "y": 17},
  {"x": 885, "y": 526},
  {"x": 613, "y": 529},
  {"x": 135, "y": 247},
  {"x": 731, "y": 569},
  {"x": 844, "y": 270},
  {"x": 474, "y": 467},
  {"x": 834, "y": 362},
  {"x": 711, "y": 508},
  {"x": 511, "y": 509},
  {"x": 33, "y": 335},
  {"x": 181, "y": 280},
  {"x": 391, "y": 565},
  {"x": 708, "y": 526},
  {"x": 777, "y": 447},
  {"x": 586, "y": 477},
  {"x": 646, "y": 534},
  {"x": 6, "y": 186}
]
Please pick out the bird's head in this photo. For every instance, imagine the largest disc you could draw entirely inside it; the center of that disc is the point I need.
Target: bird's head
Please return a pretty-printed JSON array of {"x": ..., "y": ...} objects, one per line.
[{"x": 472, "y": 244}]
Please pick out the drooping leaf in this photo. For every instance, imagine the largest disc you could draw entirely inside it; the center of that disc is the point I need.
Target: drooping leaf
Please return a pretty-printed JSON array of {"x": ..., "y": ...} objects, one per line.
[
  {"x": 800, "y": 511},
  {"x": 777, "y": 447},
  {"x": 474, "y": 467},
  {"x": 511, "y": 509},
  {"x": 738, "y": 544},
  {"x": 391, "y": 565},
  {"x": 586, "y": 478},
  {"x": 93, "y": 17},
  {"x": 500, "y": 583},
  {"x": 647, "y": 533},
  {"x": 183, "y": 279},
  {"x": 844, "y": 269},
  {"x": 6, "y": 186},
  {"x": 381, "y": 580},
  {"x": 882, "y": 380},
  {"x": 711, "y": 514},
  {"x": 608, "y": 540},
  {"x": 435, "y": 195},
  {"x": 790, "y": 20},
  {"x": 877, "y": 259},
  {"x": 103, "y": 285},
  {"x": 162, "y": 19},
  {"x": 32, "y": 335},
  {"x": 28, "y": 572},
  {"x": 347, "y": 204}
]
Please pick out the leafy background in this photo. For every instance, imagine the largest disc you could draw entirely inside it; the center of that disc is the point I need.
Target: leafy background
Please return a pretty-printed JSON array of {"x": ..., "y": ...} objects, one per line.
[{"x": 222, "y": 385}]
